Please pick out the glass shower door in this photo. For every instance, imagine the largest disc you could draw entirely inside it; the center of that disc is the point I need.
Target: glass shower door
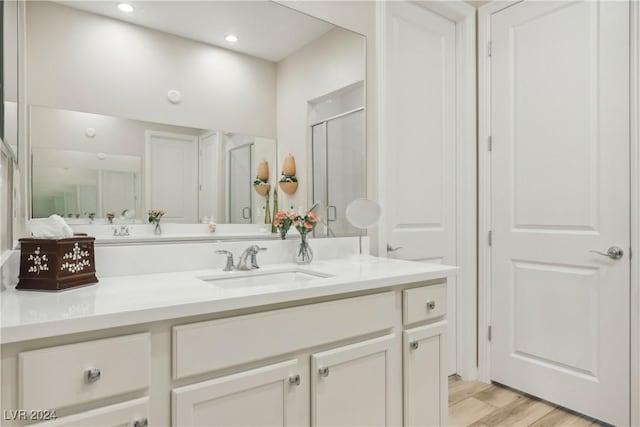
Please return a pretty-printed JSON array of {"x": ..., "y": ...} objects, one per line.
[
  {"x": 240, "y": 173},
  {"x": 339, "y": 173}
]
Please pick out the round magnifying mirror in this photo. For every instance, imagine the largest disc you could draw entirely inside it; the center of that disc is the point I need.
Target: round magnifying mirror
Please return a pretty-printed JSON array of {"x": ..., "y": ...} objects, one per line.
[{"x": 363, "y": 213}]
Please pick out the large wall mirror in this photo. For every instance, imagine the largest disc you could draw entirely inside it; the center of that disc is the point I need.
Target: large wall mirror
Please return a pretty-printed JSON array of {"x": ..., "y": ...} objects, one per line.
[
  {"x": 9, "y": 78},
  {"x": 177, "y": 105}
]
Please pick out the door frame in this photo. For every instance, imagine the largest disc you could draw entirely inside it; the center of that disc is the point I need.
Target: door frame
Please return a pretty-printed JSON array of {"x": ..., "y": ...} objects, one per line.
[
  {"x": 484, "y": 196},
  {"x": 464, "y": 17}
]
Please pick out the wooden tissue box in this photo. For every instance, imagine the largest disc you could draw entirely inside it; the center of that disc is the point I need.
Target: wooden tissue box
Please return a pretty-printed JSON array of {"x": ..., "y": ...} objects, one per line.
[{"x": 56, "y": 264}]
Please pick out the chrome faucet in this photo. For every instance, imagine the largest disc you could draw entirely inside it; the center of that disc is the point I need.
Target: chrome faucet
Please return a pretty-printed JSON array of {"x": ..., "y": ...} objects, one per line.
[
  {"x": 251, "y": 251},
  {"x": 229, "y": 254}
]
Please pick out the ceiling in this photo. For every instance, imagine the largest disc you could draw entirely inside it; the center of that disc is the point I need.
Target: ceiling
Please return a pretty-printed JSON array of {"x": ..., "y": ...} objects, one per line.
[{"x": 265, "y": 29}]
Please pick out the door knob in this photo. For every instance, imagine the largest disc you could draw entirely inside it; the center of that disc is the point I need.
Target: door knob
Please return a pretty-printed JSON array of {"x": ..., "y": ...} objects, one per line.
[
  {"x": 614, "y": 252},
  {"x": 391, "y": 249}
]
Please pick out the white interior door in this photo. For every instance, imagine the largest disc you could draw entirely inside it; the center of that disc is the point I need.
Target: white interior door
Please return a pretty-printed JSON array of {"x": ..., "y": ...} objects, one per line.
[
  {"x": 171, "y": 164},
  {"x": 560, "y": 189},
  {"x": 420, "y": 135}
]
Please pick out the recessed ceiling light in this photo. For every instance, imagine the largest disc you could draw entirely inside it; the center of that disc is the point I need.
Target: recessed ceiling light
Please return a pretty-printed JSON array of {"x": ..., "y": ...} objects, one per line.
[
  {"x": 231, "y": 38},
  {"x": 125, "y": 7}
]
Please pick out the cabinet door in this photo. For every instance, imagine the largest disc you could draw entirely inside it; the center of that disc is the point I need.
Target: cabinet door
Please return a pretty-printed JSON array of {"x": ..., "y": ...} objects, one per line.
[
  {"x": 127, "y": 414},
  {"x": 264, "y": 396},
  {"x": 350, "y": 384},
  {"x": 425, "y": 375}
]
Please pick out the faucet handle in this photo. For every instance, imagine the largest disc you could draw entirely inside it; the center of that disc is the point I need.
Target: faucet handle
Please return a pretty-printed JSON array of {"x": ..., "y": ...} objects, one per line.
[
  {"x": 229, "y": 254},
  {"x": 254, "y": 252}
]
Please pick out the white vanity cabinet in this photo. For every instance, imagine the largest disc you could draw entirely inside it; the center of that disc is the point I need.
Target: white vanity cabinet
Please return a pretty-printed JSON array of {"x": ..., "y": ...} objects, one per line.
[
  {"x": 375, "y": 358},
  {"x": 424, "y": 378},
  {"x": 350, "y": 384},
  {"x": 425, "y": 384},
  {"x": 265, "y": 396}
]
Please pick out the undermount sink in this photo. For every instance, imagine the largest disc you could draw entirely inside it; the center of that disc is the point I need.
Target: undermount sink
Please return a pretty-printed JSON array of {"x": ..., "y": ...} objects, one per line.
[{"x": 250, "y": 279}]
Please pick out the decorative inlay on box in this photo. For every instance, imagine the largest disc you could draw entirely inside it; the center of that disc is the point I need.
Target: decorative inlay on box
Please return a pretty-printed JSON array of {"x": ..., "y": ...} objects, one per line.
[
  {"x": 39, "y": 262},
  {"x": 56, "y": 264},
  {"x": 79, "y": 260}
]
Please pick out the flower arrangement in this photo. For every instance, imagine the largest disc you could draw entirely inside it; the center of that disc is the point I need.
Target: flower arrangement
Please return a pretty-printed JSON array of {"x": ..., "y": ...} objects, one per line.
[
  {"x": 304, "y": 224},
  {"x": 110, "y": 217},
  {"x": 283, "y": 221},
  {"x": 155, "y": 215}
]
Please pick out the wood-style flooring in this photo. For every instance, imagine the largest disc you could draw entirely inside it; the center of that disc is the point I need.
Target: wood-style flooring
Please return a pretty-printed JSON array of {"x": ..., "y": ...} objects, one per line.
[{"x": 482, "y": 405}]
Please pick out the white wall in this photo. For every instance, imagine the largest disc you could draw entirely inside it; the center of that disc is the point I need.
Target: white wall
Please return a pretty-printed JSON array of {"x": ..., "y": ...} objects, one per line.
[
  {"x": 85, "y": 62},
  {"x": 65, "y": 130},
  {"x": 329, "y": 63}
]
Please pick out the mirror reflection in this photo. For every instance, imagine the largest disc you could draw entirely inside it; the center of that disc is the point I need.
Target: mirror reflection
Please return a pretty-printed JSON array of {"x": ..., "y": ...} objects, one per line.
[
  {"x": 87, "y": 167},
  {"x": 181, "y": 106},
  {"x": 9, "y": 70}
]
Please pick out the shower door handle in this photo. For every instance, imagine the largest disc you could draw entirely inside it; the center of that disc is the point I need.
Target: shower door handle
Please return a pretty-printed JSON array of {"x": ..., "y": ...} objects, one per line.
[{"x": 331, "y": 209}]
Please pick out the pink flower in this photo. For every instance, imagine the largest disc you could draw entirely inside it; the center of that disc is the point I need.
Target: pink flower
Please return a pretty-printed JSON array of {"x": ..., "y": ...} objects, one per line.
[
  {"x": 281, "y": 215},
  {"x": 312, "y": 215},
  {"x": 308, "y": 225}
]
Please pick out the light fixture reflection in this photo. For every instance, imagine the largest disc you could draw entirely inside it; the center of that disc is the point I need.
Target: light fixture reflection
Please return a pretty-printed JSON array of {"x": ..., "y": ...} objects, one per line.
[{"x": 125, "y": 7}]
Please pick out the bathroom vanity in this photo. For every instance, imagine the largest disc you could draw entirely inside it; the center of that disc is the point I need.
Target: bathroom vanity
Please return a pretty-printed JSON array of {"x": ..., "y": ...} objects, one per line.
[{"x": 351, "y": 341}]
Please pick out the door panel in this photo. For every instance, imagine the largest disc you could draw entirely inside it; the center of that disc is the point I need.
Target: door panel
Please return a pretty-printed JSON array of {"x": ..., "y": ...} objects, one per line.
[
  {"x": 172, "y": 175},
  {"x": 258, "y": 397},
  {"x": 420, "y": 133},
  {"x": 355, "y": 388},
  {"x": 424, "y": 375},
  {"x": 560, "y": 188}
]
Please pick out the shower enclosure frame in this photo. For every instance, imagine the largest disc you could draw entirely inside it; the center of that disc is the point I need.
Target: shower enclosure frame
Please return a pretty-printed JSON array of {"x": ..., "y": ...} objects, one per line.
[{"x": 312, "y": 198}]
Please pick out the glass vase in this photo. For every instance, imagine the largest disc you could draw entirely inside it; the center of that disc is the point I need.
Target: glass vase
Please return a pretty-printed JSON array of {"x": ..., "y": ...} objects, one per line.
[
  {"x": 283, "y": 233},
  {"x": 304, "y": 254},
  {"x": 267, "y": 213},
  {"x": 275, "y": 210},
  {"x": 157, "y": 230}
]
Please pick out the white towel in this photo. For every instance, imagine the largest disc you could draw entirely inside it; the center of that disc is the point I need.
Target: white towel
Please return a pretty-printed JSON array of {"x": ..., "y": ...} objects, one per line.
[{"x": 54, "y": 226}]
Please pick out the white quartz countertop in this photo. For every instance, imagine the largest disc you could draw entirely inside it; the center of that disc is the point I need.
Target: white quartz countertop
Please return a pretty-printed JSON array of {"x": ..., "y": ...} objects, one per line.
[{"x": 129, "y": 300}]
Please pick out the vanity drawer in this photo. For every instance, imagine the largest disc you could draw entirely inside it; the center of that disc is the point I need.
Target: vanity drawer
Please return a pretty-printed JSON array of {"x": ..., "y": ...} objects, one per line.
[
  {"x": 424, "y": 303},
  {"x": 67, "y": 375},
  {"x": 209, "y": 346},
  {"x": 134, "y": 413}
]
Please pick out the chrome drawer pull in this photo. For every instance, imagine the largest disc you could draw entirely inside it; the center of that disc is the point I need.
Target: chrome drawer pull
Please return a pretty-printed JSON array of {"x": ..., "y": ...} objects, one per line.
[
  {"x": 431, "y": 305},
  {"x": 324, "y": 372},
  {"x": 92, "y": 375},
  {"x": 140, "y": 422},
  {"x": 294, "y": 379},
  {"x": 414, "y": 345}
]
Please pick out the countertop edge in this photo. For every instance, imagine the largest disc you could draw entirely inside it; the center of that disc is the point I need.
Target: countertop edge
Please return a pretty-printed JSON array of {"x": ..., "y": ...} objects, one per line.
[{"x": 49, "y": 329}]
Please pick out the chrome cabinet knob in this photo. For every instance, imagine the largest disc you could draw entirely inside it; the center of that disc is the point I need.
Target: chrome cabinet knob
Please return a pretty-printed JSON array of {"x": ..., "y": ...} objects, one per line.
[
  {"x": 431, "y": 305},
  {"x": 92, "y": 375},
  {"x": 294, "y": 379},
  {"x": 413, "y": 345},
  {"x": 391, "y": 249},
  {"x": 141, "y": 422},
  {"x": 324, "y": 372},
  {"x": 614, "y": 252}
]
